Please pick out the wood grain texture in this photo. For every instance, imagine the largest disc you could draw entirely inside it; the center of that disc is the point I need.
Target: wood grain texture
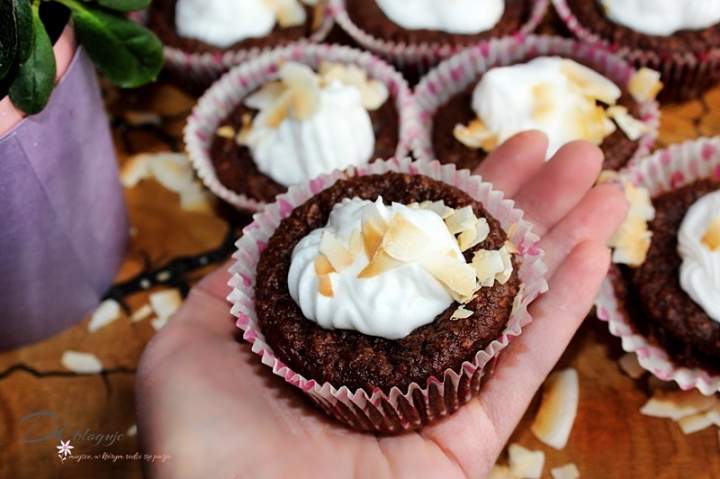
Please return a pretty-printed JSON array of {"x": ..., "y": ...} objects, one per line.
[{"x": 610, "y": 438}]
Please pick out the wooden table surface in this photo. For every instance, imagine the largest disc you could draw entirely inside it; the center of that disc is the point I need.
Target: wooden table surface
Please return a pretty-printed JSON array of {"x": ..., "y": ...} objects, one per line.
[{"x": 40, "y": 400}]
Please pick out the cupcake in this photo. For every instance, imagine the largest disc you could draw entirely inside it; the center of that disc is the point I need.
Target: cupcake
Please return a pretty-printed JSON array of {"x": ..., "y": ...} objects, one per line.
[
  {"x": 477, "y": 99},
  {"x": 384, "y": 292},
  {"x": 663, "y": 293},
  {"x": 204, "y": 39},
  {"x": 422, "y": 32},
  {"x": 679, "y": 39},
  {"x": 294, "y": 114}
]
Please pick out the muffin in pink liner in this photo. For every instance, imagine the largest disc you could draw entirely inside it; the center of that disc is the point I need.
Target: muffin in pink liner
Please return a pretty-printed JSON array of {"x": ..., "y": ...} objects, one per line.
[
  {"x": 240, "y": 182},
  {"x": 686, "y": 55},
  {"x": 366, "y": 405},
  {"x": 660, "y": 295},
  {"x": 424, "y": 44},
  {"x": 196, "y": 61},
  {"x": 463, "y": 102}
]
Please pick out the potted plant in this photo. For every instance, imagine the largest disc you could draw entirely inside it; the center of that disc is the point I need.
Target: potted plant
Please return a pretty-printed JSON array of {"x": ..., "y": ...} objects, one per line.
[{"x": 63, "y": 223}]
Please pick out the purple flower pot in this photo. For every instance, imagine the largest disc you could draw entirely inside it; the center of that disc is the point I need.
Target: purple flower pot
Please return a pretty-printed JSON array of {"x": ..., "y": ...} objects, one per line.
[{"x": 63, "y": 222}]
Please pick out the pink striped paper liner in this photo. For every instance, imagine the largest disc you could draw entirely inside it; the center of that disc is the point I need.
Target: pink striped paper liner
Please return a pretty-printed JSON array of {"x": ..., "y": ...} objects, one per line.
[
  {"x": 395, "y": 410},
  {"x": 685, "y": 75},
  {"x": 664, "y": 171},
  {"x": 467, "y": 67},
  {"x": 199, "y": 70},
  {"x": 217, "y": 103},
  {"x": 423, "y": 55}
]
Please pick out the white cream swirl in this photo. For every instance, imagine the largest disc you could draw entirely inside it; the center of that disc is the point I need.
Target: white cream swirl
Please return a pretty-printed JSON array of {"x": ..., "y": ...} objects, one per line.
[
  {"x": 538, "y": 95},
  {"x": 700, "y": 269},
  {"x": 663, "y": 17},
  {"x": 390, "y": 305},
  {"x": 223, "y": 22},
  {"x": 452, "y": 16},
  {"x": 339, "y": 134}
]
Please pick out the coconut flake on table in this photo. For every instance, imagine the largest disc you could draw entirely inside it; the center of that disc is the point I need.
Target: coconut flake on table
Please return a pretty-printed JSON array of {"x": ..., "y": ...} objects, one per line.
[
  {"x": 567, "y": 471},
  {"x": 525, "y": 463},
  {"x": 106, "y": 313},
  {"x": 80, "y": 362},
  {"x": 677, "y": 404},
  {"x": 555, "y": 418}
]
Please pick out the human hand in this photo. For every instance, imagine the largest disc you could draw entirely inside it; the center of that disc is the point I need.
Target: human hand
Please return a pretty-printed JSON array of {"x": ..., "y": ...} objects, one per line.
[{"x": 206, "y": 400}]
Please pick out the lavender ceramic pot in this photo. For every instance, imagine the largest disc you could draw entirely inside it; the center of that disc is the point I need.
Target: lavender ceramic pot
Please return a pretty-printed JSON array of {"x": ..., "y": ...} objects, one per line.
[{"x": 63, "y": 222}]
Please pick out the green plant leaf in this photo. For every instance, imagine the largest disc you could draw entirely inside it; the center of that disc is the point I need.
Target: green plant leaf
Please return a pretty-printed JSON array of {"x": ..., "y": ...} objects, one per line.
[
  {"x": 129, "y": 54},
  {"x": 8, "y": 37},
  {"x": 24, "y": 17},
  {"x": 124, "y": 5},
  {"x": 35, "y": 79}
]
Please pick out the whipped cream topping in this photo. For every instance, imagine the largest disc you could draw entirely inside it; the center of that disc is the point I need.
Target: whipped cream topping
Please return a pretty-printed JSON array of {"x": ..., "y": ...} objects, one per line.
[
  {"x": 337, "y": 135},
  {"x": 552, "y": 94},
  {"x": 663, "y": 17},
  {"x": 700, "y": 269},
  {"x": 389, "y": 305},
  {"x": 451, "y": 16}
]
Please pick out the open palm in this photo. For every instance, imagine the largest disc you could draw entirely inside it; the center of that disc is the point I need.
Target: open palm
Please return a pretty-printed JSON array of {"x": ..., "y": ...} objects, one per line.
[{"x": 204, "y": 398}]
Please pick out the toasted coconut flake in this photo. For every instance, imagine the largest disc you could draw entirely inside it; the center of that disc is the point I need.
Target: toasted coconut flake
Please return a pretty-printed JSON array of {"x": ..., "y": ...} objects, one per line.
[
  {"x": 593, "y": 123},
  {"x": 695, "y": 423},
  {"x": 379, "y": 264},
  {"x": 142, "y": 313},
  {"x": 591, "y": 83},
  {"x": 337, "y": 254},
  {"x": 632, "y": 127},
  {"x": 630, "y": 365},
  {"x": 632, "y": 241},
  {"x": 357, "y": 246},
  {"x": 244, "y": 134},
  {"x": 454, "y": 273},
  {"x": 526, "y": 463},
  {"x": 460, "y": 313},
  {"x": 404, "y": 241},
  {"x": 437, "y": 207},
  {"x": 322, "y": 265},
  {"x": 303, "y": 83},
  {"x": 166, "y": 302},
  {"x": 172, "y": 170},
  {"x": 81, "y": 363},
  {"x": 492, "y": 265},
  {"x": 474, "y": 236},
  {"x": 475, "y": 135},
  {"x": 557, "y": 412},
  {"x": 677, "y": 404},
  {"x": 106, "y": 313},
  {"x": 265, "y": 96},
  {"x": 274, "y": 115},
  {"x": 158, "y": 323},
  {"x": 373, "y": 93},
  {"x": 325, "y": 287},
  {"x": 711, "y": 239},
  {"x": 543, "y": 101},
  {"x": 289, "y": 13},
  {"x": 568, "y": 471},
  {"x": 501, "y": 472},
  {"x": 645, "y": 84},
  {"x": 462, "y": 219},
  {"x": 373, "y": 229},
  {"x": 226, "y": 131},
  {"x": 135, "y": 170}
]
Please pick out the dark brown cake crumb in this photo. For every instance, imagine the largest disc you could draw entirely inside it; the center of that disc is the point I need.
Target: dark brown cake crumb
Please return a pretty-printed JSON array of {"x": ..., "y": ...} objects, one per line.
[
  {"x": 161, "y": 20},
  {"x": 236, "y": 169},
  {"x": 617, "y": 147},
  {"x": 656, "y": 303},
  {"x": 368, "y": 16},
  {"x": 353, "y": 359}
]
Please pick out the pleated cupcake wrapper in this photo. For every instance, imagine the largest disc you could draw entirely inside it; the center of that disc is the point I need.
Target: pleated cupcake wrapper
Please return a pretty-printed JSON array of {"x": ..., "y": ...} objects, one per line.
[
  {"x": 220, "y": 100},
  {"x": 419, "y": 404},
  {"x": 198, "y": 71},
  {"x": 684, "y": 75},
  {"x": 423, "y": 55},
  {"x": 455, "y": 74},
  {"x": 664, "y": 171}
]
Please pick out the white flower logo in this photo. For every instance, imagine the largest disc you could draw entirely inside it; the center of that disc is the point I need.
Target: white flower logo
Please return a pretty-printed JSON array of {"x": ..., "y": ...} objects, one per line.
[{"x": 64, "y": 450}]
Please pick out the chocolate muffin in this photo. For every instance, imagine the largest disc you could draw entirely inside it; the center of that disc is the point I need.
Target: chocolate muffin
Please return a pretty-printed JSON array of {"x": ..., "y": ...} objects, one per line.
[
  {"x": 236, "y": 169},
  {"x": 356, "y": 360},
  {"x": 617, "y": 147},
  {"x": 161, "y": 20},
  {"x": 368, "y": 16},
  {"x": 652, "y": 296}
]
